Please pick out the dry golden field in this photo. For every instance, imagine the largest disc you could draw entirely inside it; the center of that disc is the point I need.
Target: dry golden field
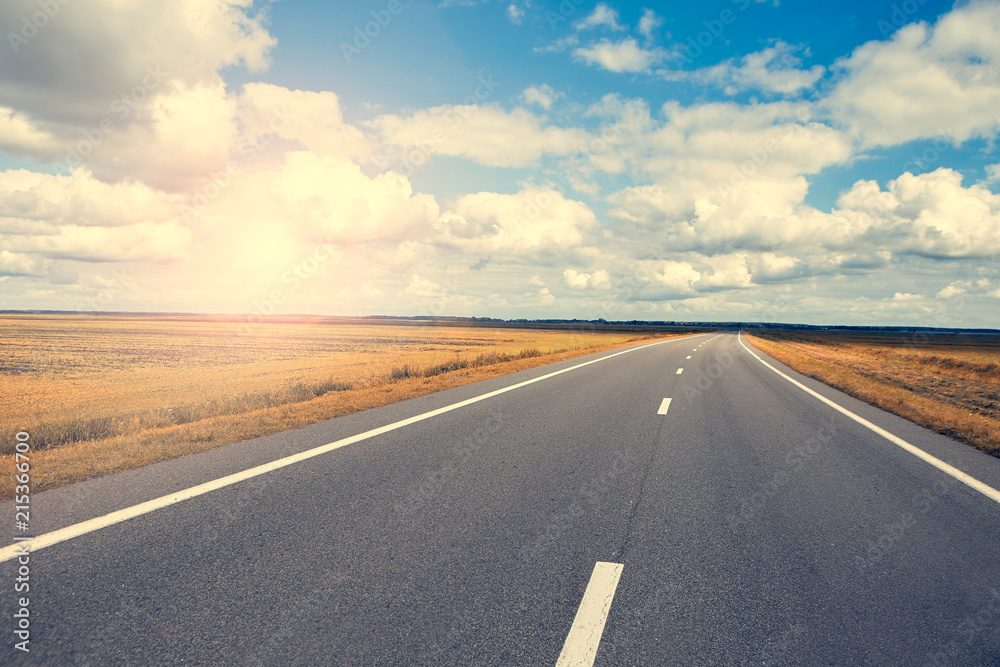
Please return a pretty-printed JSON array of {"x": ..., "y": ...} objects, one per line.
[
  {"x": 109, "y": 393},
  {"x": 947, "y": 383}
]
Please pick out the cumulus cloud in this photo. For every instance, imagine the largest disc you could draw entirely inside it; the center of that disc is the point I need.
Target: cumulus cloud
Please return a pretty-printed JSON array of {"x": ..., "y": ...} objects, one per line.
[
  {"x": 79, "y": 217},
  {"x": 487, "y": 134},
  {"x": 776, "y": 69},
  {"x": 931, "y": 214},
  {"x": 135, "y": 97},
  {"x": 534, "y": 222},
  {"x": 576, "y": 280},
  {"x": 542, "y": 96},
  {"x": 312, "y": 119},
  {"x": 622, "y": 56},
  {"x": 603, "y": 15},
  {"x": 648, "y": 23},
  {"x": 891, "y": 91},
  {"x": 18, "y": 264}
]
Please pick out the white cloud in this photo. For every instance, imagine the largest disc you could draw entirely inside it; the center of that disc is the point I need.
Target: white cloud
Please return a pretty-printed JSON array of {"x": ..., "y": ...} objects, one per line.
[
  {"x": 19, "y": 137},
  {"x": 603, "y": 15},
  {"x": 769, "y": 267},
  {"x": 313, "y": 119},
  {"x": 674, "y": 278},
  {"x": 776, "y": 69},
  {"x": 16, "y": 264},
  {"x": 534, "y": 222},
  {"x": 559, "y": 45},
  {"x": 323, "y": 199},
  {"x": 931, "y": 215},
  {"x": 514, "y": 14},
  {"x": 139, "y": 96},
  {"x": 421, "y": 287},
  {"x": 648, "y": 23},
  {"x": 893, "y": 91},
  {"x": 79, "y": 217},
  {"x": 542, "y": 95},
  {"x": 622, "y": 56},
  {"x": 724, "y": 272},
  {"x": 596, "y": 280},
  {"x": 487, "y": 134},
  {"x": 954, "y": 289}
]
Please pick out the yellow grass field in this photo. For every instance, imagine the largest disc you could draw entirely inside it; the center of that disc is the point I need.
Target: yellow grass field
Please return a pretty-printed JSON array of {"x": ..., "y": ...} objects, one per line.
[
  {"x": 946, "y": 383},
  {"x": 109, "y": 393}
]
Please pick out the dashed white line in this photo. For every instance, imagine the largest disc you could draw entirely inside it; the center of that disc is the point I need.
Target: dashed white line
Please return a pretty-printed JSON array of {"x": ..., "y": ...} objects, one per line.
[
  {"x": 584, "y": 636},
  {"x": 679, "y": 371},
  {"x": 664, "y": 406},
  {"x": 689, "y": 356}
]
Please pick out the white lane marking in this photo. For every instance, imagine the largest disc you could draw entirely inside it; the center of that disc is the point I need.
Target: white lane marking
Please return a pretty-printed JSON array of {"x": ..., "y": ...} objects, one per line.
[
  {"x": 89, "y": 526},
  {"x": 968, "y": 480},
  {"x": 664, "y": 406},
  {"x": 679, "y": 371},
  {"x": 584, "y": 636},
  {"x": 689, "y": 356}
]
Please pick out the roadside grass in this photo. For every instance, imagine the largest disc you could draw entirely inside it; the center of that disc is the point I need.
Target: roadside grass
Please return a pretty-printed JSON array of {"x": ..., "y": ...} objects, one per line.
[
  {"x": 110, "y": 395},
  {"x": 950, "y": 389}
]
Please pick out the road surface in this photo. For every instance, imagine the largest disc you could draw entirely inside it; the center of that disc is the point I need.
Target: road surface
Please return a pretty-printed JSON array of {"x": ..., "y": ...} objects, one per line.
[{"x": 575, "y": 517}]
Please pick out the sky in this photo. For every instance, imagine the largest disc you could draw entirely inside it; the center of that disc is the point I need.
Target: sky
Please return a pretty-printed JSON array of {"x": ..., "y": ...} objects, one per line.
[{"x": 739, "y": 160}]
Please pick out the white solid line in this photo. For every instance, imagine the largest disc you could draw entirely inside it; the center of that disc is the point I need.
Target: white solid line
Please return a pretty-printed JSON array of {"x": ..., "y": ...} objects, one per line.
[
  {"x": 679, "y": 371},
  {"x": 664, "y": 406},
  {"x": 968, "y": 480},
  {"x": 89, "y": 526},
  {"x": 584, "y": 636}
]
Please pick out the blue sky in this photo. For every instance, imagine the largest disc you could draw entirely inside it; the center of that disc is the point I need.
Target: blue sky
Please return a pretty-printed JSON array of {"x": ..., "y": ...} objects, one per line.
[{"x": 737, "y": 160}]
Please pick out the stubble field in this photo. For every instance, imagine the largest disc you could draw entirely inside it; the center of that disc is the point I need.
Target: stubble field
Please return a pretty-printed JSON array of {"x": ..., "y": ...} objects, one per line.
[
  {"x": 103, "y": 394},
  {"x": 946, "y": 382}
]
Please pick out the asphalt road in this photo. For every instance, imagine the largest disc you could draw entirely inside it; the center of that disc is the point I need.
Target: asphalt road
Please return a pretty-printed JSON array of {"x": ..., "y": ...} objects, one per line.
[{"x": 753, "y": 524}]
